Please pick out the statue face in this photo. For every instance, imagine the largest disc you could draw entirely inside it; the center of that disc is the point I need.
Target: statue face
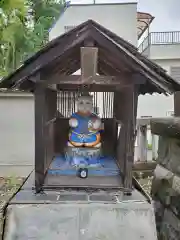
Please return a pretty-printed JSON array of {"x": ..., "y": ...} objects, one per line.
[{"x": 85, "y": 104}]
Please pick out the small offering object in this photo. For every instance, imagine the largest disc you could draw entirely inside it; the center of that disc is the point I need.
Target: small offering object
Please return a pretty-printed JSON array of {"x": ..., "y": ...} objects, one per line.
[{"x": 83, "y": 173}]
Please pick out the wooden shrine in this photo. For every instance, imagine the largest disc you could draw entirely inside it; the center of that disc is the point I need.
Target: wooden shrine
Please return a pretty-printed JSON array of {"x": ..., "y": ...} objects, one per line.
[{"x": 111, "y": 68}]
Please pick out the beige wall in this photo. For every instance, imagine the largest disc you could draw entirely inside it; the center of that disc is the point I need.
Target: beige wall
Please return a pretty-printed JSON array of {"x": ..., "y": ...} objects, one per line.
[
  {"x": 119, "y": 18},
  {"x": 16, "y": 129}
]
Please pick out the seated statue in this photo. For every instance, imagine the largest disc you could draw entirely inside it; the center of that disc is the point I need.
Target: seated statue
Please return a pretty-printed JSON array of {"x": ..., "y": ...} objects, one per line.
[{"x": 85, "y": 125}]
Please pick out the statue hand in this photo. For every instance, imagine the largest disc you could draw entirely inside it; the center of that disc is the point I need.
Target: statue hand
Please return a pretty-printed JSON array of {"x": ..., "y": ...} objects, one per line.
[
  {"x": 96, "y": 124},
  {"x": 90, "y": 124},
  {"x": 73, "y": 122}
]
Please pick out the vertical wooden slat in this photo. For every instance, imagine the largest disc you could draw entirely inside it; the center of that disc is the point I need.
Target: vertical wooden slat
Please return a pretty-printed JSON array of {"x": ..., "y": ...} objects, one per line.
[
  {"x": 49, "y": 128},
  {"x": 51, "y": 100},
  {"x": 45, "y": 110},
  {"x": 120, "y": 115}
]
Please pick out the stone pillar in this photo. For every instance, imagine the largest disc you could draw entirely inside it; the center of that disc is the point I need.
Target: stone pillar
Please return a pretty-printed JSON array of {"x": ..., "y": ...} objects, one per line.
[
  {"x": 154, "y": 147},
  {"x": 138, "y": 143},
  {"x": 142, "y": 143}
]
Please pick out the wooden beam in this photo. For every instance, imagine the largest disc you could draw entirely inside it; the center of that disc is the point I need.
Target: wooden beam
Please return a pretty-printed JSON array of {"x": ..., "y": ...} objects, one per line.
[
  {"x": 89, "y": 42},
  {"x": 89, "y": 59},
  {"x": 89, "y": 88},
  {"x": 97, "y": 79}
]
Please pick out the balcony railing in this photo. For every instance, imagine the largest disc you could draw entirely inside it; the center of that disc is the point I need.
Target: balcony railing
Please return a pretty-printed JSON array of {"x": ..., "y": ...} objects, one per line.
[{"x": 160, "y": 38}]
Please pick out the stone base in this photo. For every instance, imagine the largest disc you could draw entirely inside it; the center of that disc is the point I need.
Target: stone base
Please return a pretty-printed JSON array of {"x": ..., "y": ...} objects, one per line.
[
  {"x": 83, "y": 156},
  {"x": 123, "y": 220}
]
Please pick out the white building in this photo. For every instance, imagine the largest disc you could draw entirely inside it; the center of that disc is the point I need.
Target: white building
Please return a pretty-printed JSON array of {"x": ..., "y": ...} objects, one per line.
[
  {"x": 164, "y": 49},
  {"x": 111, "y": 16},
  {"x": 124, "y": 20}
]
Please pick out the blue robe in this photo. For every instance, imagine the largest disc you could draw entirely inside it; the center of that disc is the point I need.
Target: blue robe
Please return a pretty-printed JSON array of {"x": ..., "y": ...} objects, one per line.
[{"x": 81, "y": 133}]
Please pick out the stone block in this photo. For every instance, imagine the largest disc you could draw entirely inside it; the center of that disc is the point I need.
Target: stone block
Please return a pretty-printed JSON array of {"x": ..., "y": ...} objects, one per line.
[
  {"x": 168, "y": 154},
  {"x": 170, "y": 228},
  {"x": 126, "y": 220}
]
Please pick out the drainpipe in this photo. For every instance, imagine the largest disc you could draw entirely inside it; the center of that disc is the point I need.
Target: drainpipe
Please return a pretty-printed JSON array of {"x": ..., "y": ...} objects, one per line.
[{"x": 149, "y": 37}]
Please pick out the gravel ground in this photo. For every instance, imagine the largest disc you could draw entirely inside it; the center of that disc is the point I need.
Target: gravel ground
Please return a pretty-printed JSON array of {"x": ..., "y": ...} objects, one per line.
[
  {"x": 8, "y": 186},
  {"x": 146, "y": 184}
]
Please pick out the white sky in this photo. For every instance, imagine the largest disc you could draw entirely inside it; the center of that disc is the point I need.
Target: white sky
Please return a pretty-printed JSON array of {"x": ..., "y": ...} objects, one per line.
[{"x": 166, "y": 12}]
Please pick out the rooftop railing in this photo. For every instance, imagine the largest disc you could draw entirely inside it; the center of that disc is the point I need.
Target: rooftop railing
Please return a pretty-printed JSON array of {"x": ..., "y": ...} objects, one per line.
[{"x": 160, "y": 38}]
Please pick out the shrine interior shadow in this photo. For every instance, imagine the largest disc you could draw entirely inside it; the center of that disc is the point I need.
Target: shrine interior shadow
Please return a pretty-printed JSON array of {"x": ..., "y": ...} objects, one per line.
[{"x": 102, "y": 171}]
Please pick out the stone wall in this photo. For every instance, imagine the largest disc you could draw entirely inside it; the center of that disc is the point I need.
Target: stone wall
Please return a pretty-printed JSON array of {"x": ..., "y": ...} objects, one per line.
[{"x": 166, "y": 189}]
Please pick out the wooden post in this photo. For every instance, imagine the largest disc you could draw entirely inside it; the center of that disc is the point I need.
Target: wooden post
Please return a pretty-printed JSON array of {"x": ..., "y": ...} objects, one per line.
[
  {"x": 40, "y": 107},
  {"x": 89, "y": 56},
  {"x": 177, "y": 104},
  {"x": 126, "y": 111},
  {"x": 130, "y": 126},
  {"x": 45, "y": 101},
  {"x": 49, "y": 128},
  {"x": 119, "y": 109},
  {"x": 51, "y": 101}
]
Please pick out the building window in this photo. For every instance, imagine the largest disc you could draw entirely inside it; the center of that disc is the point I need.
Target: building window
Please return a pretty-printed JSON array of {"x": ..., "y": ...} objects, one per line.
[
  {"x": 68, "y": 28},
  {"x": 175, "y": 73}
]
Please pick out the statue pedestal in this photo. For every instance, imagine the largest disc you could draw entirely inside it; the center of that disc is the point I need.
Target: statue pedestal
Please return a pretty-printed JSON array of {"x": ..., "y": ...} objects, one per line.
[{"x": 83, "y": 157}]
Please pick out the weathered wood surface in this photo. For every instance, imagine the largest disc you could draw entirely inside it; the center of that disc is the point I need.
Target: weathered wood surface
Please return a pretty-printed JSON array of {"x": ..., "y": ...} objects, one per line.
[
  {"x": 94, "y": 83},
  {"x": 40, "y": 150},
  {"x": 54, "y": 181},
  {"x": 176, "y": 104},
  {"x": 120, "y": 81},
  {"x": 125, "y": 111},
  {"x": 169, "y": 127},
  {"x": 89, "y": 62}
]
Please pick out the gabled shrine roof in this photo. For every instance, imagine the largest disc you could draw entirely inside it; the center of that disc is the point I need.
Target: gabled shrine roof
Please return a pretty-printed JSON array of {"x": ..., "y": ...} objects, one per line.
[{"x": 115, "y": 56}]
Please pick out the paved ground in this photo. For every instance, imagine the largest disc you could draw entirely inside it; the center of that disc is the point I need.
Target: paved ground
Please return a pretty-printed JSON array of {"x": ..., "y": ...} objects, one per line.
[{"x": 15, "y": 170}]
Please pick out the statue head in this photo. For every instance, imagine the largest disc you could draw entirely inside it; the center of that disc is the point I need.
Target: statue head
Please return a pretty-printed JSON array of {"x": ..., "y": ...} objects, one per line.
[{"x": 85, "y": 104}]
